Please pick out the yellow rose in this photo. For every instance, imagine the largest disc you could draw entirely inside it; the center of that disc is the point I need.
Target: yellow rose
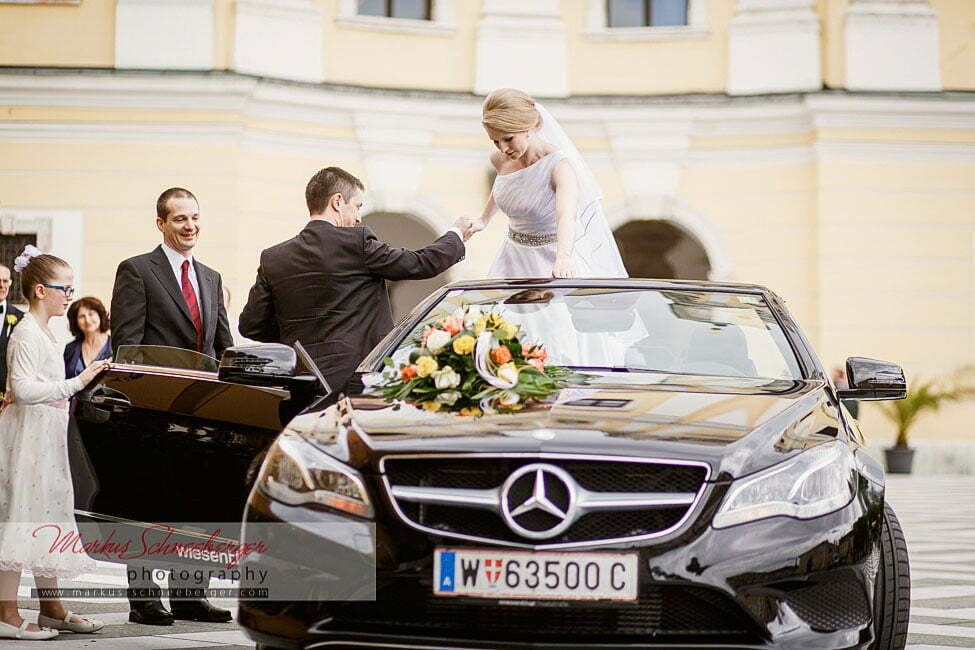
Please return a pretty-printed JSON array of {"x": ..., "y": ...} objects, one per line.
[
  {"x": 425, "y": 366},
  {"x": 507, "y": 330},
  {"x": 464, "y": 344},
  {"x": 480, "y": 325},
  {"x": 433, "y": 407},
  {"x": 11, "y": 320},
  {"x": 470, "y": 410}
]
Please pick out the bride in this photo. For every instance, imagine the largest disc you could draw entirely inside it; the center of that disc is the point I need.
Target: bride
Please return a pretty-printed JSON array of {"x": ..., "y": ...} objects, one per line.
[{"x": 556, "y": 226}]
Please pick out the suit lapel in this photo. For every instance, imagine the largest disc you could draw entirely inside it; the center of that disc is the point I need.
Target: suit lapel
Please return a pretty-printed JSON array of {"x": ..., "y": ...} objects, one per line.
[
  {"x": 164, "y": 273},
  {"x": 7, "y": 329}
]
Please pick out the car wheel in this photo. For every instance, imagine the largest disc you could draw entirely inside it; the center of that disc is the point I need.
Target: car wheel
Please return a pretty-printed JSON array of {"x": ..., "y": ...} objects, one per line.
[{"x": 892, "y": 593}]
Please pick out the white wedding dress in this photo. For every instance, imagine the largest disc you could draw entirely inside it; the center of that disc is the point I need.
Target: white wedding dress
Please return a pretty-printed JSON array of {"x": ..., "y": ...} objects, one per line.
[
  {"x": 35, "y": 477},
  {"x": 527, "y": 197}
]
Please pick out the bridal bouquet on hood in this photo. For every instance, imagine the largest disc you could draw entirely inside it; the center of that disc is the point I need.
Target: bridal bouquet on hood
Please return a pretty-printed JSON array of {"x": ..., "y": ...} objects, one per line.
[{"x": 473, "y": 363}]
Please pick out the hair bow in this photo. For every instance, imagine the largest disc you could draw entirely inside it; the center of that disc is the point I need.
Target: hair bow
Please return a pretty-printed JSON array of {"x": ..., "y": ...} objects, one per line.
[{"x": 30, "y": 252}]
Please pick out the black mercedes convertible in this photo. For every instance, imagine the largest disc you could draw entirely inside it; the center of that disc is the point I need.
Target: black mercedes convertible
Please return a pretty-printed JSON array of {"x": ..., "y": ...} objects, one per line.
[{"x": 701, "y": 487}]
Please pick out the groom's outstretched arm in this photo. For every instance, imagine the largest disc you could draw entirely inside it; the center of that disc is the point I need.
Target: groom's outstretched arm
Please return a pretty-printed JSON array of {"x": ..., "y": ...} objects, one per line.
[
  {"x": 258, "y": 321},
  {"x": 404, "y": 264}
]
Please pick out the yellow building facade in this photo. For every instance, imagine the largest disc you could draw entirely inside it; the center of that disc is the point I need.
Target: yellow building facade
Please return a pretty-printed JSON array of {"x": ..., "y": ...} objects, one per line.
[{"x": 824, "y": 148}]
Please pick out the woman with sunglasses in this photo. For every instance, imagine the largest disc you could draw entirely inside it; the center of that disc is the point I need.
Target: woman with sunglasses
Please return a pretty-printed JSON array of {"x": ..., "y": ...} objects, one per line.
[{"x": 36, "y": 496}]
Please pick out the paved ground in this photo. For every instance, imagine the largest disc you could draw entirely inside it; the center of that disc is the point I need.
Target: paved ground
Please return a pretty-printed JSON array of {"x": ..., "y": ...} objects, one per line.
[{"x": 938, "y": 515}]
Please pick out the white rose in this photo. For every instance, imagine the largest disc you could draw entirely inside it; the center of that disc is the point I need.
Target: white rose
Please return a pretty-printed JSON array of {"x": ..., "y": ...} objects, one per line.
[
  {"x": 371, "y": 379},
  {"x": 446, "y": 378},
  {"x": 509, "y": 373},
  {"x": 437, "y": 340},
  {"x": 448, "y": 397},
  {"x": 473, "y": 313},
  {"x": 402, "y": 357},
  {"x": 508, "y": 398}
]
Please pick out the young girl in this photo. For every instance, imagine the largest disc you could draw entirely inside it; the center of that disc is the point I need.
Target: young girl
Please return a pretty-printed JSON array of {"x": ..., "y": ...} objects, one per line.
[{"x": 35, "y": 478}]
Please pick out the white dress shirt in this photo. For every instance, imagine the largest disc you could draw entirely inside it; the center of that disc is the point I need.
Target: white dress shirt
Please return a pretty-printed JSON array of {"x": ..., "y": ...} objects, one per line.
[{"x": 176, "y": 262}]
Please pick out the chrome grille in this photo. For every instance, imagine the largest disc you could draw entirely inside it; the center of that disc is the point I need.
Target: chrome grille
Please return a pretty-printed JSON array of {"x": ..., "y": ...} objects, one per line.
[{"x": 460, "y": 496}]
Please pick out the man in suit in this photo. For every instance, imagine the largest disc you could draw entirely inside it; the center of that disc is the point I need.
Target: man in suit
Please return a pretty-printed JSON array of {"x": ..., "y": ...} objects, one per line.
[
  {"x": 167, "y": 297},
  {"x": 9, "y": 317},
  {"x": 326, "y": 287}
]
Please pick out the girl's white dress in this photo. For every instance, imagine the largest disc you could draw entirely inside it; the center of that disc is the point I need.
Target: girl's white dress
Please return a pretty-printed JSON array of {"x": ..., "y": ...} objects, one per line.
[
  {"x": 526, "y": 196},
  {"x": 35, "y": 478}
]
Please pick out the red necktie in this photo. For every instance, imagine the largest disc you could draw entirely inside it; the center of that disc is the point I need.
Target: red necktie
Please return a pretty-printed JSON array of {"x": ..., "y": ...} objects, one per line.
[{"x": 190, "y": 296}]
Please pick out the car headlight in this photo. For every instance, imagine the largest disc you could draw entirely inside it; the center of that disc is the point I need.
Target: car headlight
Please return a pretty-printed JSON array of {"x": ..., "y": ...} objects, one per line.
[
  {"x": 816, "y": 482},
  {"x": 296, "y": 473}
]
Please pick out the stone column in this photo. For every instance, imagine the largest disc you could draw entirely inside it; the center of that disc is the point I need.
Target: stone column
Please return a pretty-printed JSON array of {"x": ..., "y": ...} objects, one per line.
[
  {"x": 522, "y": 44},
  {"x": 773, "y": 47},
  {"x": 892, "y": 45}
]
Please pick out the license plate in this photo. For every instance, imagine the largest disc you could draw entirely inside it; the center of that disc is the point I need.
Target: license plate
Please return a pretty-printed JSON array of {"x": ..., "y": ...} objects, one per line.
[{"x": 537, "y": 576}]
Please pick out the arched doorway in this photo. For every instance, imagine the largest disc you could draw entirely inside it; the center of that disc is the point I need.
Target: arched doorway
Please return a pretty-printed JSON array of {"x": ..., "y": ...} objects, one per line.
[
  {"x": 657, "y": 248},
  {"x": 405, "y": 231}
]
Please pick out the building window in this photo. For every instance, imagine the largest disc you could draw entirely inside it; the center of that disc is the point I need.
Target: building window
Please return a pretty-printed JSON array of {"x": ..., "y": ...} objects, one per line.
[
  {"x": 425, "y": 17},
  {"x": 409, "y": 9},
  {"x": 646, "y": 13},
  {"x": 647, "y": 20}
]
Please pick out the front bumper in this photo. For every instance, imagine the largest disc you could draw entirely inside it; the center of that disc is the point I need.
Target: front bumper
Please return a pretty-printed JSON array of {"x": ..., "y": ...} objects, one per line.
[{"x": 777, "y": 583}]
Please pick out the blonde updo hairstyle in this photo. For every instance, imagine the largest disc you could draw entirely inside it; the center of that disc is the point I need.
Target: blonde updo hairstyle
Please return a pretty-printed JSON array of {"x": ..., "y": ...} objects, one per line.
[
  {"x": 509, "y": 111},
  {"x": 42, "y": 269}
]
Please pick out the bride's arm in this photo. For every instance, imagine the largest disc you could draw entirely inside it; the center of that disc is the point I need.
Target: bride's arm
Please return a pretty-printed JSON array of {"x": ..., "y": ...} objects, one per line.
[
  {"x": 489, "y": 211},
  {"x": 490, "y": 208},
  {"x": 566, "y": 204}
]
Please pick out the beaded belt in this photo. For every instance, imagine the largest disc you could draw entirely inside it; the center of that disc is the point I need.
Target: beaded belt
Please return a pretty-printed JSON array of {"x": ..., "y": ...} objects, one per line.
[{"x": 531, "y": 239}]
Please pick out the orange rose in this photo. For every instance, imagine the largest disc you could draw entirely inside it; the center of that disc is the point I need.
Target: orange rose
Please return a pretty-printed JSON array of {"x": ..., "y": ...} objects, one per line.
[
  {"x": 536, "y": 352},
  {"x": 501, "y": 354},
  {"x": 452, "y": 325},
  {"x": 537, "y": 364},
  {"x": 408, "y": 372}
]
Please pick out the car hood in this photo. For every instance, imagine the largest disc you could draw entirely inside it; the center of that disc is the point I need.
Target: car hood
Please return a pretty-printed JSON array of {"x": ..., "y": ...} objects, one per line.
[{"x": 736, "y": 425}]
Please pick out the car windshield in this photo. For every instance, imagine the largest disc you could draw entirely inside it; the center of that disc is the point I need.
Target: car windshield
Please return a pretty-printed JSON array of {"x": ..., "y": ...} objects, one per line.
[
  {"x": 160, "y": 355},
  {"x": 675, "y": 331}
]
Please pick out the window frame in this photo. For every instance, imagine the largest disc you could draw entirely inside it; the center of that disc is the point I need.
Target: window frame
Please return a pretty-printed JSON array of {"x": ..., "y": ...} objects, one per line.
[
  {"x": 442, "y": 21},
  {"x": 389, "y": 8},
  {"x": 598, "y": 28}
]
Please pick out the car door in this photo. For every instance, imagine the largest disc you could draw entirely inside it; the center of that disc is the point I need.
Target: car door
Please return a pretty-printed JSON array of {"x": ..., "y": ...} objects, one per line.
[{"x": 166, "y": 441}]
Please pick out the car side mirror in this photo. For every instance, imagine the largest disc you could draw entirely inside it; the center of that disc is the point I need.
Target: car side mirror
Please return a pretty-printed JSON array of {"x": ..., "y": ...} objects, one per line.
[
  {"x": 873, "y": 380},
  {"x": 263, "y": 364}
]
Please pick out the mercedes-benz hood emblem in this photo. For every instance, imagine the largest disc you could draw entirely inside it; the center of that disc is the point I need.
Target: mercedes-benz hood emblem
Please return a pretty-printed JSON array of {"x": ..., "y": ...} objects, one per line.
[{"x": 538, "y": 501}]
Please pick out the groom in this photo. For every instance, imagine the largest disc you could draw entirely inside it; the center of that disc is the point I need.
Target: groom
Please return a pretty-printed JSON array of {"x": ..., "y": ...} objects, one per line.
[{"x": 326, "y": 287}]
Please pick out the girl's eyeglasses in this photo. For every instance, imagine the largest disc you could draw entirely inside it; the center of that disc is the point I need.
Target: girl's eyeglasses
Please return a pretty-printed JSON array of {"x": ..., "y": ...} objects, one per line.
[{"x": 68, "y": 291}]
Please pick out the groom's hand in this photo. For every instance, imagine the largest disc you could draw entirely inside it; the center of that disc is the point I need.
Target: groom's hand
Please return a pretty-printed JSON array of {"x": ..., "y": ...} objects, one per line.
[{"x": 466, "y": 226}]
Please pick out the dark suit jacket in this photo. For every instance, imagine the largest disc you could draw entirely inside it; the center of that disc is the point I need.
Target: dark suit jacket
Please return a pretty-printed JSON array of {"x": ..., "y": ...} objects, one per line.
[
  {"x": 5, "y": 331},
  {"x": 148, "y": 307},
  {"x": 327, "y": 289}
]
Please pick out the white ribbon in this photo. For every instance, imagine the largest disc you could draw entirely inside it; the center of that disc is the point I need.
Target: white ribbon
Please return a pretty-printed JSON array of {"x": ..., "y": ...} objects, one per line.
[
  {"x": 30, "y": 252},
  {"x": 482, "y": 355}
]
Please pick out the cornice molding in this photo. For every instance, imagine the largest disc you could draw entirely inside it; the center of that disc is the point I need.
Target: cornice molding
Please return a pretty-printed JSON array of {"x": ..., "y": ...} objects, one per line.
[{"x": 404, "y": 123}]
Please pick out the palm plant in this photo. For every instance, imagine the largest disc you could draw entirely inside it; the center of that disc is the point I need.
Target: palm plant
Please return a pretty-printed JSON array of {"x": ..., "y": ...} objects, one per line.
[{"x": 928, "y": 395}]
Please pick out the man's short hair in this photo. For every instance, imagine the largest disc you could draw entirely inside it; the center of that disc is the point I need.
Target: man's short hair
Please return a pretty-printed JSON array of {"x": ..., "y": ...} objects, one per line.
[
  {"x": 162, "y": 209},
  {"x": 325, "y": 184}
]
